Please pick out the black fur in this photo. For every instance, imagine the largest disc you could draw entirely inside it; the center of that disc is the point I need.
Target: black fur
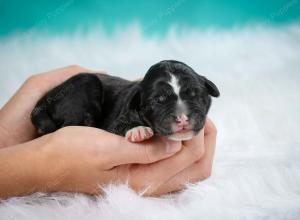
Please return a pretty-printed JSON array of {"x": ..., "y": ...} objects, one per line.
[{"x": 117, "y": 105}]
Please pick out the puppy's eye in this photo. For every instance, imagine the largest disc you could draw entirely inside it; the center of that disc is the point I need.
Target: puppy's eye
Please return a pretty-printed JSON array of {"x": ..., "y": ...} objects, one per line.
[
  {"x": 192, "y": 93},
  {"x": 161, "y": 99}
]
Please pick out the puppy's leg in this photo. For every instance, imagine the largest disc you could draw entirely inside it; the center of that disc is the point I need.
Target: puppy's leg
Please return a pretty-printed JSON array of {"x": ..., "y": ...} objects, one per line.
[
  {"x": 42, "y": 121},
  {"x": 77, "y": 101},
  {"x": 87, "y": 119},
  {"x": 138, "y": 134}
]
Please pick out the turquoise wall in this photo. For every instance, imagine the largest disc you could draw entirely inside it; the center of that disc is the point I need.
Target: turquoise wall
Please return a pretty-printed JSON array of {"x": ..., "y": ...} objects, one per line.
[{"x": 56, "y": 16}]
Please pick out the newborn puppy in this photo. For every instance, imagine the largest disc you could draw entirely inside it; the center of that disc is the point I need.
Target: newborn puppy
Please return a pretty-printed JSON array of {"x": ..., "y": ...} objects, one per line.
[{"x": 171, "y": 101}]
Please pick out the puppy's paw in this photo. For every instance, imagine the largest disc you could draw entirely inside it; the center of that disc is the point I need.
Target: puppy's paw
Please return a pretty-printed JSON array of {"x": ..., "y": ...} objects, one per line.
[{"x": 139, "y": 134}]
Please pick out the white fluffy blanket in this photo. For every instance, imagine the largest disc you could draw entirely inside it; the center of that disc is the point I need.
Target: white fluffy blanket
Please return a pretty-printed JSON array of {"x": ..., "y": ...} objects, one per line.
[{"x": 256, "y": 171}]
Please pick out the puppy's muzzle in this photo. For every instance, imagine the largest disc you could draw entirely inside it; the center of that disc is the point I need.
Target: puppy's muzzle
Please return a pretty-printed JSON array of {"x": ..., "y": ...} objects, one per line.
[{"x": 182, "y": 123}]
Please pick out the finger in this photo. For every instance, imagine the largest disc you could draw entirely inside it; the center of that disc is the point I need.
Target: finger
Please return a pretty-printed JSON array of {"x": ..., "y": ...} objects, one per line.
[
  {"x": 191, "y": 152},
  {"x": 157, "y": 173},
  {"x": 198, "y": 171},
  {"x": 210, "y": 140},
  {"x": 148, "y": 151},
  {"x": 55, "y": 77},
  {"x": 71, "y": 71},
  {"x": 197, "y": 145},
  {"x": 139, "y": 79},
  {"x": 210, "y": 127},
  {"x": 197, "y": 140}
]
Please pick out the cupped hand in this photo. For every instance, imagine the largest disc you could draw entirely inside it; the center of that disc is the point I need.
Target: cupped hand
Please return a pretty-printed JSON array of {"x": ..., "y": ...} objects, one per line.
[
  {"x": 85, "y": 159},
  {"x": 15, "y": 123}
]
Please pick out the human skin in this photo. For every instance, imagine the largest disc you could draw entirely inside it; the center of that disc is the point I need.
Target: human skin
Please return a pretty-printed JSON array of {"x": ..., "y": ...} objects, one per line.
[{"x": 84, "y": 159}]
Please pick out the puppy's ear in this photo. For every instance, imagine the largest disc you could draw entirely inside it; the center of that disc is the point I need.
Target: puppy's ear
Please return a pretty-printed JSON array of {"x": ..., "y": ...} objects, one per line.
[
  {"x": 134, "y": 98},
  {"x": 210, "y": 86}
]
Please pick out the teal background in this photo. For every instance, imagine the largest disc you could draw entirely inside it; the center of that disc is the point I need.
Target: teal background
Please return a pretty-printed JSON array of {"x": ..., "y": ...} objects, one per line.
[{"x": 156, "y": 16}]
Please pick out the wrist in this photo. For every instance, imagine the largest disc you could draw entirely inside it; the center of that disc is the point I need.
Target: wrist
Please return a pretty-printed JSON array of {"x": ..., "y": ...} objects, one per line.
[
  {"x": 55, "y": 169},
  {"x": 22, "y": 169},
  {"x": 48, "y": 175}
]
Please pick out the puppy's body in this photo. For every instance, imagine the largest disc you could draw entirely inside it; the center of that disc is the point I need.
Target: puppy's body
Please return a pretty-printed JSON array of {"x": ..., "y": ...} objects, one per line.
[
  {"x": 80, "y": 101},
  {"x": 172, "y": 100}
]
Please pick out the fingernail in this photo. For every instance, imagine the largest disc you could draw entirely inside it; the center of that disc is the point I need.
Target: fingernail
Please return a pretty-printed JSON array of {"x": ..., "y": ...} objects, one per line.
[{"x": 173, "y": 146}]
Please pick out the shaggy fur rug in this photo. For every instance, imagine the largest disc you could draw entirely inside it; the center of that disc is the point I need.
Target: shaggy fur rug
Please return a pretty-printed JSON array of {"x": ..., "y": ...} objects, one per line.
[{"x": 256, "y": 171}]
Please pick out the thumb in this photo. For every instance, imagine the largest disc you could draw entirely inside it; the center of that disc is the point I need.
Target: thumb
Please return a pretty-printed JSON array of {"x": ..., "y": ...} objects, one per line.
[{"x": 149, "y": 151}]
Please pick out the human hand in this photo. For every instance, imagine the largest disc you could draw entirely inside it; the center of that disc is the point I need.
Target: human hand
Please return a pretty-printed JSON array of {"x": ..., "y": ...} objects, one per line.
[
  {"x": 82, "y": 159},
  {"x": 199, "y": 170},
  {"x": 15, "y": 123}
]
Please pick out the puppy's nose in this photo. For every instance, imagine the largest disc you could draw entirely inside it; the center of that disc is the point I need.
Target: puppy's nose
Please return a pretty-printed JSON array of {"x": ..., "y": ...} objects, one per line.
[{"x": 182, "y": 120}]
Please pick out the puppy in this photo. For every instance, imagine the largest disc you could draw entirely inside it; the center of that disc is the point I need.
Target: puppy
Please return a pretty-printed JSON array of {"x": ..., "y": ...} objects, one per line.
[{"x": 171, "y": 101}]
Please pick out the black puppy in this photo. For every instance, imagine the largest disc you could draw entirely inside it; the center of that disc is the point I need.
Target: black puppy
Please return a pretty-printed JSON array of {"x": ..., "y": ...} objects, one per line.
[{"x": 172, "y": 101}]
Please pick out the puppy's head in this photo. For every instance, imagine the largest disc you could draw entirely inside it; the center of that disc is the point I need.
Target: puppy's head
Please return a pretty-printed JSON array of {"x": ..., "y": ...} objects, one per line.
[{"x": 174, "y": 100}]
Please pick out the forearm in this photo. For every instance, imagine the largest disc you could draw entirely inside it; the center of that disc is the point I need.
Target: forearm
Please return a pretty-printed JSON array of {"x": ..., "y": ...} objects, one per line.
[{"x": 22, "y": 168}]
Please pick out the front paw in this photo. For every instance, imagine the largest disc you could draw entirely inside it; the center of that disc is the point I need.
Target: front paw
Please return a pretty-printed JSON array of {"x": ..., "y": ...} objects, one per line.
[{"x": 139, "y": 134}]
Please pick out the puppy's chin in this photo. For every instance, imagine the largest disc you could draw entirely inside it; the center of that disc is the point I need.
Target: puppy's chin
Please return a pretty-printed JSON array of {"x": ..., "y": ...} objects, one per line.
[{"x": 181, "y": 136}]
